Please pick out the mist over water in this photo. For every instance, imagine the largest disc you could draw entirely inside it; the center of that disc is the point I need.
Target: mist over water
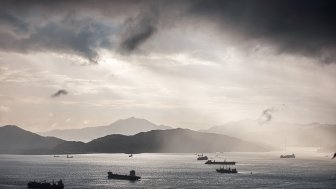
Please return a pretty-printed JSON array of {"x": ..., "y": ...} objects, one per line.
[{"x": 308, "y": 170}]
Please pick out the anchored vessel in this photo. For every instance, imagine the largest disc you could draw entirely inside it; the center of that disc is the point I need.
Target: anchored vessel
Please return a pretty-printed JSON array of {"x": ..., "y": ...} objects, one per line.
[
  {"x": 227, "y": 169},
  {"x": 201, "y": 157},
  {"x": 287, "y": 156},
  {"x": 46, "y": 185},
  {"x": 131, "y": 176},
  {"x": 221, "y": 162}
]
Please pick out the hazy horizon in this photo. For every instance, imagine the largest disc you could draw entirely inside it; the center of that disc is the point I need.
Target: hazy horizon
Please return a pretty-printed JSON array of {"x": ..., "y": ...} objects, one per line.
[
  {"x": 195, "y": 129},
  {"x": 188, "y": 64}
]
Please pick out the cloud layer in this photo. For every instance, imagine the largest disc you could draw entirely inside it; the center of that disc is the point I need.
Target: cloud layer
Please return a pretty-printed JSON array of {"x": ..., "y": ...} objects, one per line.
[{"x": 300, "y": 27}]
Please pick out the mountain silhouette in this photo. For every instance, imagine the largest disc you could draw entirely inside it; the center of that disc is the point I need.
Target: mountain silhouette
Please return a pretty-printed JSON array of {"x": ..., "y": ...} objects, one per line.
[
  {"x": 161, "y": 141},
  {"x": 14, "y": 140},
  {"x": 128, "y": 126}
]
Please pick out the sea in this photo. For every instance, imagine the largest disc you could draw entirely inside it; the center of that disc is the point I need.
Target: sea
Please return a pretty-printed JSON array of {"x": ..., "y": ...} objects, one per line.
[{"x": 166, "y": 170}]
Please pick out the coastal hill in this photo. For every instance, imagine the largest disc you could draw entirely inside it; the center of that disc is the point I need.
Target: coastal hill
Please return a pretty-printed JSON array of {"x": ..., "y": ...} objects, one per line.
[
  {"x": 14, "y": 140},
  {"x": 162, "y": 141},
  {"x": 128, "y": 126}
]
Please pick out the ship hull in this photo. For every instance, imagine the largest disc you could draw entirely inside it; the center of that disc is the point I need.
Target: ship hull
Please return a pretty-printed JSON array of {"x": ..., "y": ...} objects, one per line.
[
  {"x": 123, "y": 177},
  {"x": 44, "y": 185},
  {"x": 287, "y": 156},
  {"x": 226, "y": 171},
  {"x": 221, "y": 163},
  {"x": 202, "y": 158}
]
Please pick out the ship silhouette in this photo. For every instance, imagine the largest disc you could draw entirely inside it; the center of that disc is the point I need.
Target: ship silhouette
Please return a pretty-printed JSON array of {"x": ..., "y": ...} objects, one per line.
[
  {"x": 221, "y": 162},
  {"x": 131, "y": 176},
  {"x": 46, "y": 185},
  {"x": 201, "y": 157},
  {"x": 227, "y": 170},
  {"x": 288, "y": 156}
]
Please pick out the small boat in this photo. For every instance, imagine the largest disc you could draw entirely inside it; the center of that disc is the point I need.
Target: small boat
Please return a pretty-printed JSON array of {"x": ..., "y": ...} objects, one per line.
[
  {"x": 131, "y": 176},
  {"x": 46, "y": 185},
  {"x": 227, "y": 170},
  {"x": 201, "y": 157},
  {"x": 56, "y": 156},
  {"x": 221, "y": 162},
  {"x": 69, "y": 156},
  {"x": 131, "y": 155},
  {"x": 287, "y": 156}
]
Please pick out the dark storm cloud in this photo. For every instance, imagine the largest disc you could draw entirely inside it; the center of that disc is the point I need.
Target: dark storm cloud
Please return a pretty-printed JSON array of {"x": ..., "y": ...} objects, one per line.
[
  {"x": 27, "y": 32},
  {"x": 83, "y": 27},
  {"x": 65, "y": 27},
  {"x": 59, "y": 93},
  {"x": 64, "y": 38},
  {"x": 15, "y": 23},
  {"x": 137, "y": 31},
  {"x": 294, "y": 26}
]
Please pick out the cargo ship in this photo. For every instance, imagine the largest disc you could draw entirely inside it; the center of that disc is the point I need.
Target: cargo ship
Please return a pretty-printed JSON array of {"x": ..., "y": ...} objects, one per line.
[
  {"x": 131, "y": 176},
  {"x": 46, "y": 185}
]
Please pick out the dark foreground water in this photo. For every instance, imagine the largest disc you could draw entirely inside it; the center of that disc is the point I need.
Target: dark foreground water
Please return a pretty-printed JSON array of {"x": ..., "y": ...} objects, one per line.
[{"x": 171, "y": 171}]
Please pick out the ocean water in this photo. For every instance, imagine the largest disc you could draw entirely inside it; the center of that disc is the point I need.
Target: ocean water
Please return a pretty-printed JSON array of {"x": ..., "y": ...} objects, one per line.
[{"x": 312, "y": 170}]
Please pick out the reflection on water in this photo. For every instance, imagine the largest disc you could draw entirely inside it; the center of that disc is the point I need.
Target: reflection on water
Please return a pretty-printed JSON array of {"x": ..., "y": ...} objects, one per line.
[{"x": 171, "y": 171}]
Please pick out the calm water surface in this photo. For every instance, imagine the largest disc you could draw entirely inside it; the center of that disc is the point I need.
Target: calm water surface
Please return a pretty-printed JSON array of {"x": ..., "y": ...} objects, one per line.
[{"x": 171, "y": 171}]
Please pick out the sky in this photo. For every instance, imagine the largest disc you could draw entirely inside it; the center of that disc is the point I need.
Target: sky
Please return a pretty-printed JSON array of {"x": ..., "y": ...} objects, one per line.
[{"x": 190, "y": 63}]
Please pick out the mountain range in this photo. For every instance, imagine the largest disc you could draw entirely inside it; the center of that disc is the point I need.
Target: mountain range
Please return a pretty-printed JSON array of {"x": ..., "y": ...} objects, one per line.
[
  {"x": 140, "y": 135},
  {"x": 274, "y": 133},
  {"x": 162, "y": 141},
  {"x": 130, "y": 126},
  {"x": 14, "y": 140}
]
